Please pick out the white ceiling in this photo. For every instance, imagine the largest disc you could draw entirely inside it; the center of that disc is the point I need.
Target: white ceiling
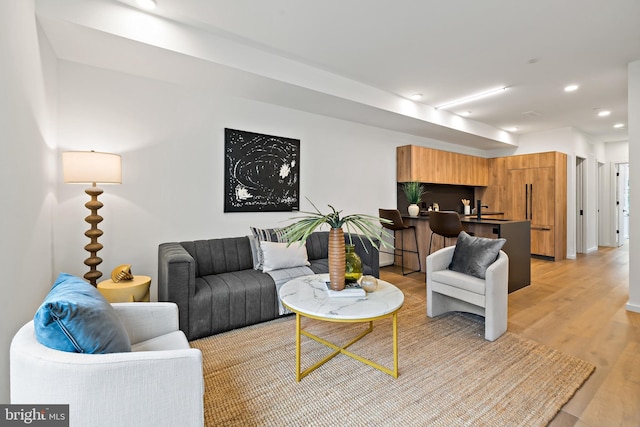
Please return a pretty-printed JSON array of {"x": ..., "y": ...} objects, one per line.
[{"x": 442, "y": 49}]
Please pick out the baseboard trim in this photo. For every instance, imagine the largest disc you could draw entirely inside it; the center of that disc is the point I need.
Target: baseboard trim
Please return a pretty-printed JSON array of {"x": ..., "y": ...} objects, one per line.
[{"x": 633, "y": 307}]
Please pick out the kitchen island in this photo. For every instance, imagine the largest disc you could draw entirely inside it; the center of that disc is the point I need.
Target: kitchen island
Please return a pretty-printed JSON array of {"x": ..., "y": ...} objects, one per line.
[{"x": 517, "y": 245}]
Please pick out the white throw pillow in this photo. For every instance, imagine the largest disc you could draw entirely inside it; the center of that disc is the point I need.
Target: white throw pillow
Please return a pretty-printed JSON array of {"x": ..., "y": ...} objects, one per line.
[
  {"x": 277, "y": 255},
  {"x": 263, "y": 235}
]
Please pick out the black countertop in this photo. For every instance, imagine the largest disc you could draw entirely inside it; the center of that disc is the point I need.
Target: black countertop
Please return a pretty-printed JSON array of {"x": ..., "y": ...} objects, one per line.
[{"x": 472, "y": 219}]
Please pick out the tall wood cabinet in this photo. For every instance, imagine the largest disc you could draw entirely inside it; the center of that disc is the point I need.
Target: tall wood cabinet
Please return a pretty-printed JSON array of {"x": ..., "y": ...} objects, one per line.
[{"x": 536, "y": 190}]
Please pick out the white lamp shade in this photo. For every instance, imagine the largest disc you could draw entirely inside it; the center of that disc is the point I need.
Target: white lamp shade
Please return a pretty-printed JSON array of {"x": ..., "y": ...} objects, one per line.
[{"x": 91, "y": 167}]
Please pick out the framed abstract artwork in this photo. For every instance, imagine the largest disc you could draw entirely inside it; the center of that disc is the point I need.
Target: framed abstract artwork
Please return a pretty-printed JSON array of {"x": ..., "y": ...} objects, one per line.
[{"x": 262, "y": 172}]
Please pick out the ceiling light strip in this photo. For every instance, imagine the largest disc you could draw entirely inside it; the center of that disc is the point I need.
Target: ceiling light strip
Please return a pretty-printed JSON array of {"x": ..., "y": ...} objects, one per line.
[{"x": 471, "y": 98}]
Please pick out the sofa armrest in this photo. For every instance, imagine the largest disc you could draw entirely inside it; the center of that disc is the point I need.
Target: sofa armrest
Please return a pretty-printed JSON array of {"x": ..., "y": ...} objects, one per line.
[
  {"x": 109, "y": 389},
  {"x": 146, "y": 320},
  {"x": 176, "y": 279},
  {"x": 497, "y": 279},
  {"x": 439, "y": 260}
]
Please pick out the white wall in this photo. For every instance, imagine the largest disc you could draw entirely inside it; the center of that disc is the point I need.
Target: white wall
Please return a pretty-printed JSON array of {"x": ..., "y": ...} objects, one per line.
[
  {"x": 27, "y": 172},
  {"x": 634, "y": 183},
  {"x": 171, "y": 139}
]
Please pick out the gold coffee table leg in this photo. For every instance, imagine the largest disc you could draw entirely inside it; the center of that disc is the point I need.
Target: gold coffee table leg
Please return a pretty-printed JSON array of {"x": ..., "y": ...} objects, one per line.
[
  {"x": 343, "y": 349},
  {"x": 298, "y": 339},
  {"x": 395, "y": 344}
]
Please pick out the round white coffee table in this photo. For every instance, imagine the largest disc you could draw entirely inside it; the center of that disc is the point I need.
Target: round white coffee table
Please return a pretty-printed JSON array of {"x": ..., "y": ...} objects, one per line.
[{"x": 308, "y": 297}]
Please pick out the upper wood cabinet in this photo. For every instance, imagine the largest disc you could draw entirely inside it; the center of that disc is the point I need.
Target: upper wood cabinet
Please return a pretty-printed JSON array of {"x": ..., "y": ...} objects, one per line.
[
  {"x": 528, "y": 161},
  {"x": 427, "y": 165}
]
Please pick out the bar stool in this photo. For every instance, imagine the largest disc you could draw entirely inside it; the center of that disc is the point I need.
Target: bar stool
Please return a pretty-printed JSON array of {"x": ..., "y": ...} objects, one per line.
[
  {"x": 397, "y": 224},
  {"x": 445, "y": 224}
]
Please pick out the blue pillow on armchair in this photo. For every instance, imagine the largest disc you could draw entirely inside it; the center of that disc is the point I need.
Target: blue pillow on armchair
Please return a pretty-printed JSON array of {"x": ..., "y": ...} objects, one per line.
[{"x": 75, "y": 317}]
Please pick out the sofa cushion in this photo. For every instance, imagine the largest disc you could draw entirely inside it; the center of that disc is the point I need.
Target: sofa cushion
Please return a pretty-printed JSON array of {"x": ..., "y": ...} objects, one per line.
[
  {"x": 222, "y": 302},
  {"x": 75, "y": 317},
  {"x": 276, "y": 256},
  {"x": 264, "y": 235},
  {"x": 473, "y": 255},
  {"x": 460, "y": 280},
  {"x": 175, "y": 340}
]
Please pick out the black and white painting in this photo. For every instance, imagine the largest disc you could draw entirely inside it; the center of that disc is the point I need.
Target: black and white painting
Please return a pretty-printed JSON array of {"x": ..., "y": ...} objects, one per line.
[{"x": 261, "y": 172}]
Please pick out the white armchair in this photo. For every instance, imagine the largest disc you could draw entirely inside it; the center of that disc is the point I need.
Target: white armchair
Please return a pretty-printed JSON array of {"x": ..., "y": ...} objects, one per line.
[
  {"x": 453, "y": 291},
  {"x": 159, "y": 383}
]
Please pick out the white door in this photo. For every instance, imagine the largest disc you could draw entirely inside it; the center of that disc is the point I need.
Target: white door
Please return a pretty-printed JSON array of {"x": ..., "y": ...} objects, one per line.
[
  {"x": 580, "y": 246},
  {"x": 622, "y": 203}
]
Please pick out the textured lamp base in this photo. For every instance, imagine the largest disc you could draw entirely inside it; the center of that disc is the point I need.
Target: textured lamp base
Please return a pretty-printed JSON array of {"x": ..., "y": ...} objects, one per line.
[{"x": 93, "y": 233}]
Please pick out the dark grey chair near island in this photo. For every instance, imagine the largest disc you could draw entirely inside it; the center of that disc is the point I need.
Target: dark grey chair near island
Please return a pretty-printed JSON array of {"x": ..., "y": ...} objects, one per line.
[
  {"x": 397, "y": 224},
  {"x": 445, "y": 224}
]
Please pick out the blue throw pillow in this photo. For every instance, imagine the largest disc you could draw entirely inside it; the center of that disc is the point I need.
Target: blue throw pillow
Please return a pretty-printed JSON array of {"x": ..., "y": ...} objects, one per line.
[{"x": 75, "y": 317}]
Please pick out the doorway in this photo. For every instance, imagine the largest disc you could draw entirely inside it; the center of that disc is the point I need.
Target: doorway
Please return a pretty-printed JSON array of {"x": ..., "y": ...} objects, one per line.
[
  {"x": 622, "y": 203},
  {"x": 580, "y": 200}
]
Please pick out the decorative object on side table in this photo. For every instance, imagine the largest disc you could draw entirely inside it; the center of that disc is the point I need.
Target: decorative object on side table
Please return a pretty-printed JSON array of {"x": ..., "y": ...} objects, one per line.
[
  {"x": 414, "y": 192},
  {"x": 89, "y": 167},
  {"x": 122, "y": 272},
  {"x": 367, "y": 226},
  {"x": 124, "y": 286}
]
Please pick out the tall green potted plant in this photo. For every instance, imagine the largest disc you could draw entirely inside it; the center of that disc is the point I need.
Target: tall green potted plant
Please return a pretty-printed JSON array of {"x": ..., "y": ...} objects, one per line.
[
  {"x": 367, "y": 226},
  {"x": 414, "y": 192}
]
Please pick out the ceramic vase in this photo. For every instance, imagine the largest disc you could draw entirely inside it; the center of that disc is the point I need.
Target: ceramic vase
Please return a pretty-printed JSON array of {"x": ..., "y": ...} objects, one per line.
[
  {"x": 414, "y": 209},
  {"x": 337, "y": 260}
]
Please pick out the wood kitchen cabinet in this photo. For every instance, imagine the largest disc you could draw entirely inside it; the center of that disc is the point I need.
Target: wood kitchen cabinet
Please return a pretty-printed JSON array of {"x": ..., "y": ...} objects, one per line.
[
  {"x": 428, "y": 165},
  {"x": 536, "y": 191},
  {"x": 528, "y": 187}
]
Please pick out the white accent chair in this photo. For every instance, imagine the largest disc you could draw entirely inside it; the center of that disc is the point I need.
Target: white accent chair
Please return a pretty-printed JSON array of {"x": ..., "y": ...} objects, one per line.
[
  {"x": 452, "y": 291},
  {"x": 159, "y": 383}
]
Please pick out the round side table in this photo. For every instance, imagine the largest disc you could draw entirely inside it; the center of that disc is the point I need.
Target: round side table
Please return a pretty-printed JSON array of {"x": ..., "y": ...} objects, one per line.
[{"x": 134, "y": 290}]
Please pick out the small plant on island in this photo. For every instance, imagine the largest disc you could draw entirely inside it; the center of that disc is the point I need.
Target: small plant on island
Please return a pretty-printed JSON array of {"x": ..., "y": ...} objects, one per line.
[{"x": 413, "y": 191}]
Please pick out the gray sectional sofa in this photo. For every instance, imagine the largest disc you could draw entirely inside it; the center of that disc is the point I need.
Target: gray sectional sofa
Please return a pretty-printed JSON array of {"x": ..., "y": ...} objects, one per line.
[{"x": 217, "y": 288}]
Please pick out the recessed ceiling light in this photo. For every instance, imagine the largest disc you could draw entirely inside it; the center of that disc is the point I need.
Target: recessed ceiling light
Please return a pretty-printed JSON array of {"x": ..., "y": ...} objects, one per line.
[
  {"x": 618, "y": 125},
  {"x": 416, "y": 97},
  {"x": 604, "y": 113},
  {"x": 465, "y": 113},
  {"x": 147, "y": 4},
  {"x": 511, "y": 129},
  {"x": 571, "y": 88}
]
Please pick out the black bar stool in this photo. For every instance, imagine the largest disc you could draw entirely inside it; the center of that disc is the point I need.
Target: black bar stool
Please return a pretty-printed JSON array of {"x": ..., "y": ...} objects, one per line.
[
  {"x": 397, "y": 224},
  {"x": 445, "y": 224}
]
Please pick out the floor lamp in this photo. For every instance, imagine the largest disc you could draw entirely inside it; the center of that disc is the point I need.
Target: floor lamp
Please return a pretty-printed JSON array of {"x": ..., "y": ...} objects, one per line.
[{"x": 89, "y": 167}]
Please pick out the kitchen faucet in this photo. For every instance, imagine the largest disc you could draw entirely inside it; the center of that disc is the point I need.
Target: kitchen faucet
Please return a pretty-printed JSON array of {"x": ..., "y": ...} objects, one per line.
[{"x": 479, "y": 207}]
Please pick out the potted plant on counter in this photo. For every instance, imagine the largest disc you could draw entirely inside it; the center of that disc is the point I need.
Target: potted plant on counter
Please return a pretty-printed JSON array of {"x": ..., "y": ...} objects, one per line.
[
  {"x": 367, "y": 226},
  {"x": 414, "y": 192}
]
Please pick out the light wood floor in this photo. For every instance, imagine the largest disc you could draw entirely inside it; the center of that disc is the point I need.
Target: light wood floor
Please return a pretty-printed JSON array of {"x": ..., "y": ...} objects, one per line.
[{"x": 578, "y": 307}]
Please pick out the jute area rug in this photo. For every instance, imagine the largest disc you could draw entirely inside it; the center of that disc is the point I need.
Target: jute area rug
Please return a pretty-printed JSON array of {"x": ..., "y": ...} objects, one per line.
[{"x": 449, "y": 375}]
